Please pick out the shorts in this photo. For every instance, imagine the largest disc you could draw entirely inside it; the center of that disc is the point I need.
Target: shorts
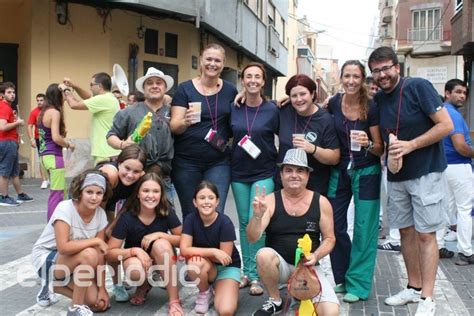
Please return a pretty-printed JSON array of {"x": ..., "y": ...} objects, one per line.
[
  {"x": 44, "y": 271},
  {"x": 224, "y": 272},
  {"x": 420, "y": 202},
  {"x": 9, "y": 164},
  {"x": 327, "y": 292}
]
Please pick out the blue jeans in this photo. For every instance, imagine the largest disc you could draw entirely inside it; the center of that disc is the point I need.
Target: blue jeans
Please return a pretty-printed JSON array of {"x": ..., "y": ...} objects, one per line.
[{"x": 187, "y": 174}]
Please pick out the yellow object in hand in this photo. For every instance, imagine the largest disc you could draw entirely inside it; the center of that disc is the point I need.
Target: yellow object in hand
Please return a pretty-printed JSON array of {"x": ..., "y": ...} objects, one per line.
[
  {"x": 142, "y": 129},
  {"x": 305, "y": 244}
]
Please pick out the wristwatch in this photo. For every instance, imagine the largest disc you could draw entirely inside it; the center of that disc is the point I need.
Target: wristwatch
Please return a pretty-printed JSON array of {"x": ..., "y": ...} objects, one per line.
[{"x": 370, "y": 146}]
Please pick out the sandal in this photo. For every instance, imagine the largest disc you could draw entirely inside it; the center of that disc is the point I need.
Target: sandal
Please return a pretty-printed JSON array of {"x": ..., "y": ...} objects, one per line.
[
  {"x": 140, "y": 294},
  {"x": 256, "y": 288},
  {"x": 244, "y": 281},
  {"x": 175, "y": 308}
]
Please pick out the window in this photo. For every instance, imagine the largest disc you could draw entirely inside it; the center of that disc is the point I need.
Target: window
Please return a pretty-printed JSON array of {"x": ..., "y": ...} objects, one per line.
[
  {"x": 171, "y": 45},
  {"x": 426, "y": 25},
  {"x": 151, "y": 41},
  {"x": 458, "y": 6}
]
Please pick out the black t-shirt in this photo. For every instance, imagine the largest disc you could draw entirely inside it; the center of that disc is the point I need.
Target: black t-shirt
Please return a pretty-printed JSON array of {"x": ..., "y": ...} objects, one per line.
[
  {"x": 319, "y": 130},
  {"x": 284, "y": 230},
  {"x": 221, "y": 230},
  {"x": 131, "y": 229},
  {"x": 344, "y": 126},
  {"x": 419, "y": 101},
  {"x": 191, "y": 144}
]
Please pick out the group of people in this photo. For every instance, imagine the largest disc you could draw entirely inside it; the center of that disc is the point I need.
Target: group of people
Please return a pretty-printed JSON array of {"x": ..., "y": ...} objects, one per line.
[{"x": 327, "y": 155}]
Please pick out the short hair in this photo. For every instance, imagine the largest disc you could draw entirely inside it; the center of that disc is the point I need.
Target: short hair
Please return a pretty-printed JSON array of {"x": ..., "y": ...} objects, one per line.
[
  {"x": 133, "y": 203},
  {"x": 104, "y": 80},
  {"x": 301, "y": 80},
  {"x": 76, "y": 184},
  {"x": 40, "y": 95},
  {"x": 383, "y": 53},
  {"x": 133, "y": 152},
  {"x": 139, "y": 97},
  {"x": 369, "y": 80},
  {"x": 6, "y": 85},
  {"x": 206, "y": 185},
  {"x": 451, "y": 84}
]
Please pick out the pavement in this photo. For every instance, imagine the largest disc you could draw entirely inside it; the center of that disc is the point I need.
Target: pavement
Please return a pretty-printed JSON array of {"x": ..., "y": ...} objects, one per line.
[{"x": 21, "y": 226}]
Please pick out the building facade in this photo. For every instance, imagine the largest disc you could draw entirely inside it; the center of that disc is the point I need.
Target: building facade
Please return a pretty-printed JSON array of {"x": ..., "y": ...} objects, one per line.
[{"x": 43, "y": 41}]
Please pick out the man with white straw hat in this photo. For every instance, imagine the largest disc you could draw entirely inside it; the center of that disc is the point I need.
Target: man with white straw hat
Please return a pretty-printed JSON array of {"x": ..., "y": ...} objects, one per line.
[
  {"x": 157, "y": 143},
  {"x": 286, "y": 216}
]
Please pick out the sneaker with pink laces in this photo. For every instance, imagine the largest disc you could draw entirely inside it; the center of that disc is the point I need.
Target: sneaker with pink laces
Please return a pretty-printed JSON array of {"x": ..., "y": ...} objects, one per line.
[{"x": 203, "y": 301}]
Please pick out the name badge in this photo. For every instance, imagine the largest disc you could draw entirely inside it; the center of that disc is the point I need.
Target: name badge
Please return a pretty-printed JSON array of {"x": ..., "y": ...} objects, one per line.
[
  {"x": 215, "y": 140},
  {"x": 249, "y": 147}
]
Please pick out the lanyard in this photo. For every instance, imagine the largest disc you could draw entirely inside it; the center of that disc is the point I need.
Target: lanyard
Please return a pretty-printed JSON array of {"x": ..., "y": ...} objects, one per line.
[
  {"x": 400, "y": 106},
  {"x": 249, "y": 128},
  {"x": 305, "y": 126},
  {"x": 213, "y": 119}
]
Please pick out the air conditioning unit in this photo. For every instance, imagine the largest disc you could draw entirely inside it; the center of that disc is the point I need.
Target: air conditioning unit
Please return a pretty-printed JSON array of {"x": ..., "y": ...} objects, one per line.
[{"x": 273, "y": 40}]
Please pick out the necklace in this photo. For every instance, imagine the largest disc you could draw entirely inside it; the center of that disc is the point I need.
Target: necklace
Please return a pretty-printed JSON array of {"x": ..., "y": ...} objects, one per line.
[
  {"x": 211, "y": 91},
  {"x": 293, "y": 204}
]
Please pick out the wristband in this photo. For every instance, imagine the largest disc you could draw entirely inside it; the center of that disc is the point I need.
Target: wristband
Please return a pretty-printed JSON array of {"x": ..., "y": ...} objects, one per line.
[{"x": 314, "y": 151}]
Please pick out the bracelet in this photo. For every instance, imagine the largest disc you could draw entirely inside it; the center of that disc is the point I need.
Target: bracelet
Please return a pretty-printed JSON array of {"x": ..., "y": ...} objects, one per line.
[
  {"x": 132, "y": 252},
  {"x": 314, "y": 151},
  {"x": 121, "y": 144},
  {"x": 257, "y": 218}
]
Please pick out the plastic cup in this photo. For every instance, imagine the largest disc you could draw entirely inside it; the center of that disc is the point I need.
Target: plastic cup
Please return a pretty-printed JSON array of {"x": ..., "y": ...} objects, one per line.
[
  {"x": 298, "y": 135},
  {"x": 355, "y": 146},
  {"x": 196, "y": 108}
]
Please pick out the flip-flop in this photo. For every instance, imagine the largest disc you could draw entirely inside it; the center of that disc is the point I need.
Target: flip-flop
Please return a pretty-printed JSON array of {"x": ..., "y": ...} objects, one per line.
[
  {"x": 244, "y": 281},
  {"x": 140, "y": 294},
  {"x": 256, "y": 288}
]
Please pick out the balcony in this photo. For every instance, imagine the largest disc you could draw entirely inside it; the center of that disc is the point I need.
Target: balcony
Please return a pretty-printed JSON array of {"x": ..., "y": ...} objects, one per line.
[{"x": 433, "y": 34}]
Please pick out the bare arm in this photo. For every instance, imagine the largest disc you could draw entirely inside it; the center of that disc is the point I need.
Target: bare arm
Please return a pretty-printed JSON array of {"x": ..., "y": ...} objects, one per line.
[
  {"x": 115, "y": 142},
  {"x": 31, "y": 135},
  {"x": 55, "y": 118},
  {"x": 188, "y": 251},
  {"x": 180, "y": 119},
  {"x": 173, "y": 238},
  {"x": 461, "y": 146},
  {"x": 326, "y": 226},
  {"x": 263, "y": 208},
  {"x": 326, "y": 156},
  {"x": 443, "y": 126},
  {"x": 4, "y": 126},
  {"x": 74, "y": 103},
  {"x": 116, "y": 252}
]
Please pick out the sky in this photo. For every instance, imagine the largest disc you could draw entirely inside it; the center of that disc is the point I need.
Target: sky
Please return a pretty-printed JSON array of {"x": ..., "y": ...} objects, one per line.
[{"x": 346, "y": 23}]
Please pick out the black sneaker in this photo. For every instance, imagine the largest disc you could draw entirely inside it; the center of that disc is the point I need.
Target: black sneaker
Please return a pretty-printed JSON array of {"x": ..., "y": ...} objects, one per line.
[
  {"x": 464, "y": 260},
  {"x": 269, "y": 308},
  {"x": 445, "y": 253},
  {"x": 23, "y": 197},
  {"x": 389, "y": 247}
]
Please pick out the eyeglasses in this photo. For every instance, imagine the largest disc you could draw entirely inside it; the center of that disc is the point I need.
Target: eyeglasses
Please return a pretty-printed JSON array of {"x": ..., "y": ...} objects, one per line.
[
  {"x": 93, "y": 84},
  {"x": 377, "y": 72}
]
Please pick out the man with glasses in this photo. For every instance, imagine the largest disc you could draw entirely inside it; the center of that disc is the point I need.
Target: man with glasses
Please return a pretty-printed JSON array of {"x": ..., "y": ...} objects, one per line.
[
  {"x": 412, "y": 111},
  {"x": 102, "y": 104}
]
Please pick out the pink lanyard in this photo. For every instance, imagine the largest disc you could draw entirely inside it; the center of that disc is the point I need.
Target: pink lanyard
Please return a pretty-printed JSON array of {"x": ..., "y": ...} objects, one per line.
[
  {"x": 249, "y": 128},
  {"x": 213, "y": 121},
  {"x": 305, "y": 126}
]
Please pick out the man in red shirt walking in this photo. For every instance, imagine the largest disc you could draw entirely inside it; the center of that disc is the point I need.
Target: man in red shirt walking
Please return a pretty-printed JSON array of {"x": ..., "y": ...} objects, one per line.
[
  {"x": 9, "y": 142},
  {"x": 34, "y": 136}
]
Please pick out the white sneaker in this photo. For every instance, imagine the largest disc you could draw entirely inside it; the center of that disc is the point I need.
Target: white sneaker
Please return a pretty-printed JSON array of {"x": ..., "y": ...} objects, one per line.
[
  {"x": 451, "y": 235},
  {"x": 79, "y": 310},
  {"x": 44, "y": 184},
  {"x": 45, "y": 297},
  {"x": 403, "y": 297},
  {"x": 426, "y": 307}
]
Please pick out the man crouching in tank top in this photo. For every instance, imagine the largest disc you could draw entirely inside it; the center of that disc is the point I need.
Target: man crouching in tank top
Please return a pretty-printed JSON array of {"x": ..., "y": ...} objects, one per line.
[{"x": 285, "y": 216}]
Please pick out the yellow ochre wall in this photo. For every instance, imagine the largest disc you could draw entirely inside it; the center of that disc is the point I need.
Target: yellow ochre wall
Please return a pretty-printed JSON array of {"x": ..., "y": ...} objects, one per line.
[{"x": 48, "y": 51}]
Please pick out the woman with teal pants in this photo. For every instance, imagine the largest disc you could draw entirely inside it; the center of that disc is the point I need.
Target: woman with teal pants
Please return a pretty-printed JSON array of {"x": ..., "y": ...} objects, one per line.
[
  {"x": 357, "y": 174},
  {"x": 254, "y": 125}
]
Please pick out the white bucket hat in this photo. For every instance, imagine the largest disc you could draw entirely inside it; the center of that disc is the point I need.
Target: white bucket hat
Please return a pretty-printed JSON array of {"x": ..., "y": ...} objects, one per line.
[
  {"x": 153, "y": 72},
  {"x": 295, "y": 157}
]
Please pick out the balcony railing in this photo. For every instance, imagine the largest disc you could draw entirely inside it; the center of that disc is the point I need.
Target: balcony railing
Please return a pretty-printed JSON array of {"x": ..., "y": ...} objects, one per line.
[{"x": 425, "y": 34}]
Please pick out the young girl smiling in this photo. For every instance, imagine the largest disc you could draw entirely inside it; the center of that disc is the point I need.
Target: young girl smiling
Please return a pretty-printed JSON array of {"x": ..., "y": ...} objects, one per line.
[
  {"x": 144, "y": 228},
  {"x": 208, "y": 243}
]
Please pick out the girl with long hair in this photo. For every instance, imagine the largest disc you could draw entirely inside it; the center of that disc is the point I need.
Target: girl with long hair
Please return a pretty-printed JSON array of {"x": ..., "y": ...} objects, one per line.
[
  {"x": 52, "y": 139},
  {"x": 144, "y": 228}
]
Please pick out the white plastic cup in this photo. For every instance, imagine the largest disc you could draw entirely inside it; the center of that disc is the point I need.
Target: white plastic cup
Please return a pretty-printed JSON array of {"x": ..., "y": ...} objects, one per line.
[
  {"x": 355, "y": 146},
  {"x": 299, "y": 135},
  {"x": 196, "y": 108}
]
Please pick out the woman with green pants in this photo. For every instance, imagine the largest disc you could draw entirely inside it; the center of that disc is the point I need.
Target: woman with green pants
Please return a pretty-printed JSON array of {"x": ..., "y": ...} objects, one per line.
[
  {"x": 357, "y": 174},
  {"x": 254, "y": 125}
]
